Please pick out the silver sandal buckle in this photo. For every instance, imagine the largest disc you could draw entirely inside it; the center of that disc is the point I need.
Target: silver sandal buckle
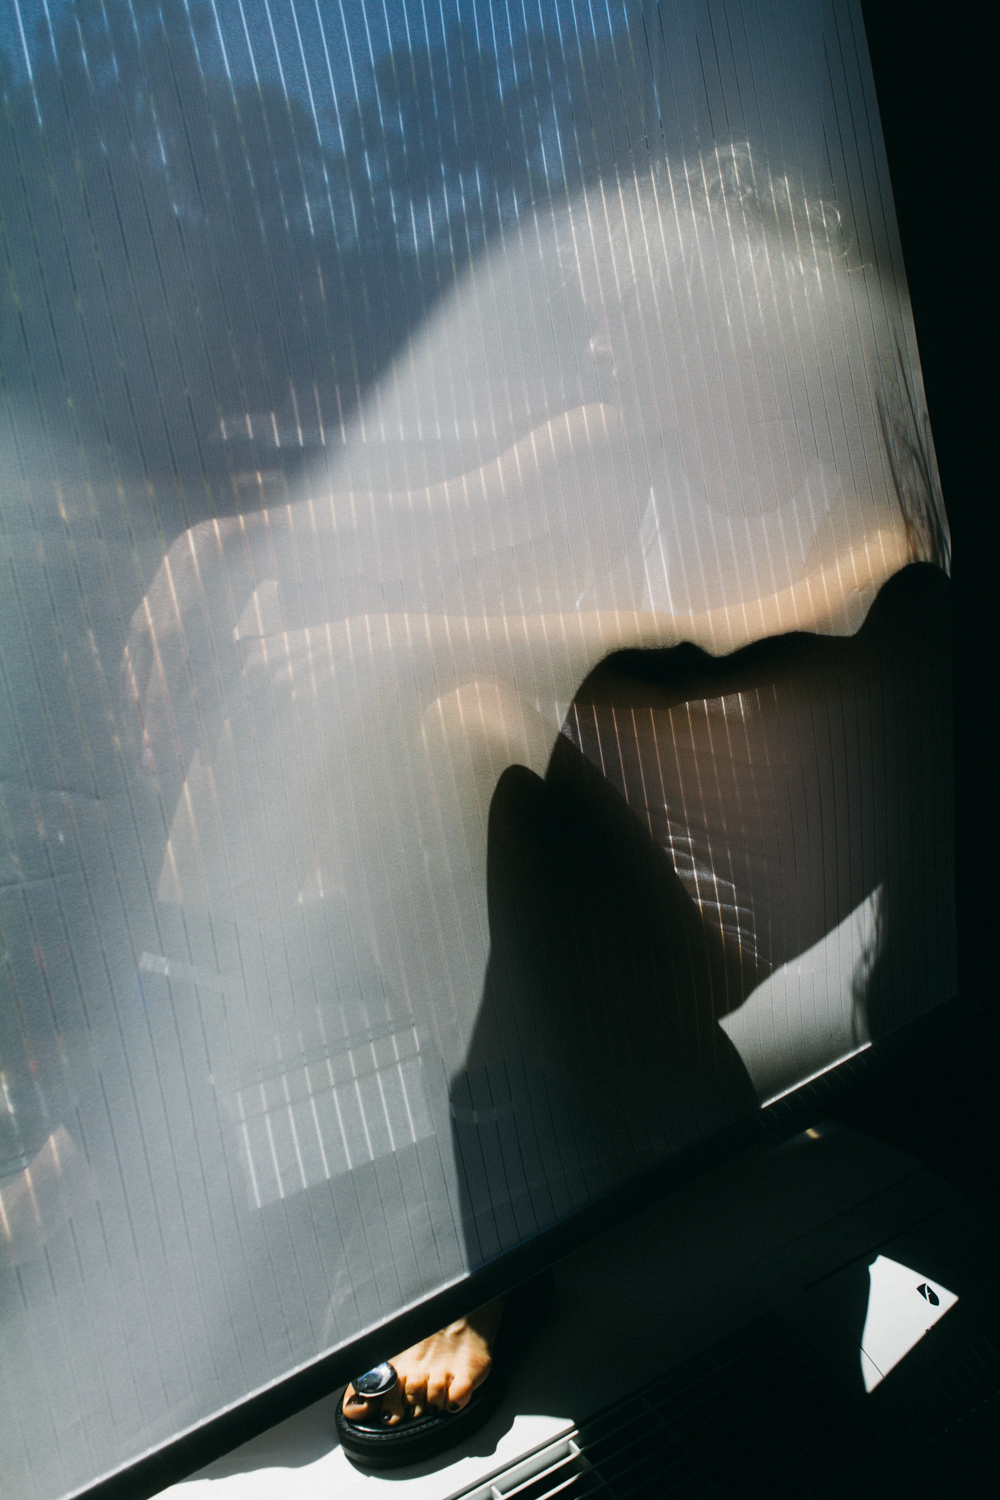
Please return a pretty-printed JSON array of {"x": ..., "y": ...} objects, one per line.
[{"x": 376, "y": 1382}]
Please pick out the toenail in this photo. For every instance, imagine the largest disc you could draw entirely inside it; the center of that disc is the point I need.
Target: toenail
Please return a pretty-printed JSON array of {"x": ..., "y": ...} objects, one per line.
[{"x": 454, "y": 1406}]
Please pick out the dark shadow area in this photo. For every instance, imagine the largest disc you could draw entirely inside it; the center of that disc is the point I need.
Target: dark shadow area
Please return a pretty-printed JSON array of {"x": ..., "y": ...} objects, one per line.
[
  {"x": 702, "y": 821},
  {"x": 595, "y": 1038},
  {"x": 753, "y": 1416},
  {"x": 939, "y": 1103}
]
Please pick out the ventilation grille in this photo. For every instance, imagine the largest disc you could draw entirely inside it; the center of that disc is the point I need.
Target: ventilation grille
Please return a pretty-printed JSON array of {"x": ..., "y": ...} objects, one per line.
[
  {"x": 760, "y": 1416},
  {"x": 754, "y": 1416}
]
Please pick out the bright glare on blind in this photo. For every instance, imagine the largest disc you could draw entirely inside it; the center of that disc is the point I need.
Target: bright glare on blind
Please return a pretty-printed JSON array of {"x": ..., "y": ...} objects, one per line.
[{"x": 473, "y": 656}]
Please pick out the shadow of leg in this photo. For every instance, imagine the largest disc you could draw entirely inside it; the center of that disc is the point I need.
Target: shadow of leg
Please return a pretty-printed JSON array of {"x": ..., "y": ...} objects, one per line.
[{"x": 597, "y": 1049}]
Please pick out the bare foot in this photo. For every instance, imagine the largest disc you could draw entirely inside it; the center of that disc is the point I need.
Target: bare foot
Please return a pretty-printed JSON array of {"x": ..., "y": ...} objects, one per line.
[{"x": 438, "y": 1374}]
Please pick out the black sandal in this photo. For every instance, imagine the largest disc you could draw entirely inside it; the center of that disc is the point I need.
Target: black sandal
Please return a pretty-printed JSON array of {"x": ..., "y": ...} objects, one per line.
[{"x": 419, "y": 1438}]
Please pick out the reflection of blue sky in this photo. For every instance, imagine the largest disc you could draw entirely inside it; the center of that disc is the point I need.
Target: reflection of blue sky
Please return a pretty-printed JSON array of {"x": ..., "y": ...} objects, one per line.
[
  {"x": 312, "y": 176},
  {"x": 323, "y": 52},
  {"x": 344, "y": 62}
]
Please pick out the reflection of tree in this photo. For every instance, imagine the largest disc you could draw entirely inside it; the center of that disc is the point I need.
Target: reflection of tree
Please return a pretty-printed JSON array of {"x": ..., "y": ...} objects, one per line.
[{"x": 185, "y": 249}]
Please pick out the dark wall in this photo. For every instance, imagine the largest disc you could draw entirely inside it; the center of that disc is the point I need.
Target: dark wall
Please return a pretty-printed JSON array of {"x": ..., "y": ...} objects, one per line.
[
  {"x": 938, "y": 1102},
  {"x": 931, "y": 74}
]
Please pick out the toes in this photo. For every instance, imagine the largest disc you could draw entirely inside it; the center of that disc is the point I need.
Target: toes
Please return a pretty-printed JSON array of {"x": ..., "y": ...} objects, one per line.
[
  {"x": 416, "y": 1394},
  {"x": 462, "y": 1386},
  {"x": 459, "y": 1393},
  {"x": 437, "y": 1390},
  {"x": 389, "y": 1409},
  {"x": 394, "y": 1406},
  {"x": 355, "y": 1407}
]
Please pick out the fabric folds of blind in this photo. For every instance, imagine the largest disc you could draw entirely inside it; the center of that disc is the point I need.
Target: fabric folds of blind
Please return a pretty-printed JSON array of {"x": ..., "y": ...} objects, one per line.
[{"x": 473, "y": 652}]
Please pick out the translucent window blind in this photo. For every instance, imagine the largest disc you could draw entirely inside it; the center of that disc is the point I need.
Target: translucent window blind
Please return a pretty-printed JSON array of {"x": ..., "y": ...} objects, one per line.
[{"x": 473, "y": 651}]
